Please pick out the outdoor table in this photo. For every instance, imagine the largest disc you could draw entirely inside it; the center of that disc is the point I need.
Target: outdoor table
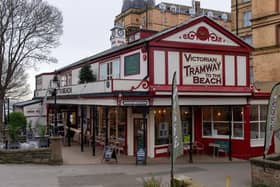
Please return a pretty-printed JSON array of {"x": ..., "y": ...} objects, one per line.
[{"x": 215, "y": 147}]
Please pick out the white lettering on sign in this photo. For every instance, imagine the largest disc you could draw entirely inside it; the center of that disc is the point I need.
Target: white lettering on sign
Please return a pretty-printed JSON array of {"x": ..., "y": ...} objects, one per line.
[{"x": 202, "y": 69}]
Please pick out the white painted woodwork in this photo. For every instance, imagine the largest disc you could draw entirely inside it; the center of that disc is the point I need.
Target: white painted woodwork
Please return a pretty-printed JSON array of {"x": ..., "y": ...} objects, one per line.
[
  {"x": 151, "y": 134},
  {"x": 241, "y": 71},
  {"x": 159, "y": 67},
  {"x": 75, "y": 76},
  {"x": 202, "y": 101},
  {"x": 180, "y": 36},
  {"x": 173, "y": 66},
  {"x": 229, "y": 71}
]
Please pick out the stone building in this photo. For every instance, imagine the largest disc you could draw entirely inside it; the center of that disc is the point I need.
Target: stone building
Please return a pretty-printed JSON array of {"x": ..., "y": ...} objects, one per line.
[
  {"x": 258, "y": 23},
  {"x": 137, "y": 14}
]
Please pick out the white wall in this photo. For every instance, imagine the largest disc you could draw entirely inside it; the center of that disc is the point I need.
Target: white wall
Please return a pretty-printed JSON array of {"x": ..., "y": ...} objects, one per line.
[
  {"x": 94, "y": 68},
  {"x": 130, "y": 142},
  {"x": 33, "y": 114},
  {"x": 151, "y": 134},
  {"x": 241, "y": 71},
  {"x": 46, "y": 81},
  {"x": 173, "y": 66},
  {"x": 159, "y": 67},
  {"x": 229, "y": 71},
  {"x": 75, "y": 76}
]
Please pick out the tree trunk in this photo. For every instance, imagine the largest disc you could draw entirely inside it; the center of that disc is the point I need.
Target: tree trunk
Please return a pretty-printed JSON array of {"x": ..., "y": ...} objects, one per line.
[{"x": 1, "y": 115}]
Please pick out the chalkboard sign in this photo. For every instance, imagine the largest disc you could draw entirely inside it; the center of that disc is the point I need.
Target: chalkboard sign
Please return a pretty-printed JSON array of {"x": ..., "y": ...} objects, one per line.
[
  {"x": 132, "y": 64},
  {"x": 141, "y": 156},
  {"x": 109, "y": 153}
]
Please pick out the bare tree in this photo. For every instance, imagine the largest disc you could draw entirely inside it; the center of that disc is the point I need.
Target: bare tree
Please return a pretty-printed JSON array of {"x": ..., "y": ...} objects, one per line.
[{"x": 29, "y": 29}]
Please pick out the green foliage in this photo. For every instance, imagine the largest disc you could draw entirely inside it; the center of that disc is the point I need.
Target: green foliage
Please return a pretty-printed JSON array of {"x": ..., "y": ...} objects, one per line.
[
  {"x": 17, "y": 122},
  {"x": 41, "y": 129},
  {"x": 151, "y": 182},
  {"x": 86, "y": 75}
]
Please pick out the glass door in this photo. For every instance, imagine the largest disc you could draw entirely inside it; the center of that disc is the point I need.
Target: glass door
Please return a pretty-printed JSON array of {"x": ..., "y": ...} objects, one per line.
[{"x": 139, "y": 135}]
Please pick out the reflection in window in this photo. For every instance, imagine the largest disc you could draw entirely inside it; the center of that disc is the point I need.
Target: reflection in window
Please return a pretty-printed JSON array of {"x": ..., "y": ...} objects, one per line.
[
  {"x": 186, "y": 117},
  {"x": 248, "y": 39},
  {"x": 216, "y": 121},
  {"x": 162, "y": 122},
  {"x": 258, "y": 121},
  {"x": 247, "y": 19}
]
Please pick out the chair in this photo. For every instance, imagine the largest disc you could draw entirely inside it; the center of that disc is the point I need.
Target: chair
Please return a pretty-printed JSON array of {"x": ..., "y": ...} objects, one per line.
[
  {"x": 198, "y": 147},
  {"x": 224, "y": 147}
]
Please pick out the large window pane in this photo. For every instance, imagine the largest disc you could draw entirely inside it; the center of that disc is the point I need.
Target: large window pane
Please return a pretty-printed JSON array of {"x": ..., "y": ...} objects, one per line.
[
  {"x": 262, "y": 129},
  {"x": 116, "y": 70},
  {"x": 237, "y": 114},
  {"x": 186, "y": 117},
  {"x": 220, "y": 114},
  {"x": 263, "y": 112},
  {"x": 238, "y": 130},
  {"x": 162, "y": 124},
  {"x": 103, "y": 71},
  {"x": 247, "y": 19},
  {"x": 254, "y": 131},
  {"x": 206, "y": 112},
  {"x": 207, "y": 130},
  {"x": 254, "y": 113},
  {"x": 221, "y": 129}
]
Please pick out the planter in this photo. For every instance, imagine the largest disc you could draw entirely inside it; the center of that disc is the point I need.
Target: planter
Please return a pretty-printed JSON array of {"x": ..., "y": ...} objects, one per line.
[
  {"x": 266, "y": 172},
  {"x": 43, "y": 141},
  {"x": 14, "y": 145}
]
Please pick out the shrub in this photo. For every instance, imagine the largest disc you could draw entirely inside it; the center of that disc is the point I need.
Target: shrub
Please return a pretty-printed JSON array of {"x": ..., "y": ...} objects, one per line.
[
  {"x": 17, "y": 123},
  {"x": 151, "y": 182},
  {"x": 86, "y": 75},
  {"x": 41, "y": 129}
]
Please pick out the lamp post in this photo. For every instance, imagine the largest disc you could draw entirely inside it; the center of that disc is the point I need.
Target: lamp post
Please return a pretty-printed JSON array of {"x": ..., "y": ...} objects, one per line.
[{"x": 55, "y": 85}]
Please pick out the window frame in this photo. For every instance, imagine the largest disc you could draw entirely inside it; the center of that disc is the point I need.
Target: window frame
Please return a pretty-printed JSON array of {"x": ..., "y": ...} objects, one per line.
[
  {"x": 138, "y": 64},
  {"x": 258, "y": 142},
  {"x": 247, "y": 16},
  {"x": 212, "y": 123}
]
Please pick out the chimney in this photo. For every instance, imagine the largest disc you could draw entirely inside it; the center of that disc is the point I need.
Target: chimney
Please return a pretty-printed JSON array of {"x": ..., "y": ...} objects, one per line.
[{"x": 197, "y": 7}]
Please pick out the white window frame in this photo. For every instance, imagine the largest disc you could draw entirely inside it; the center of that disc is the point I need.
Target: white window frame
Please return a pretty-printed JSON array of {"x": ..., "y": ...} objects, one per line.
[
  {"x": 257, "y": 142},
  {"x": 226, "y": 122},
  {"x": 110, "y": 70},
  {"x": 165, "y": 130}
]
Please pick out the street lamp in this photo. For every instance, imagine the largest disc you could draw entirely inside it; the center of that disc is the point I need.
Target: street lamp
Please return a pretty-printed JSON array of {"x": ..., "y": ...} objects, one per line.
[{"x": 55, "y": 86}]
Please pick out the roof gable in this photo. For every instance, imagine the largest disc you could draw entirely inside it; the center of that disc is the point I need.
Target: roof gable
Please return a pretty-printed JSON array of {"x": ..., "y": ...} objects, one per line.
[{"x": 203, "y": 31}]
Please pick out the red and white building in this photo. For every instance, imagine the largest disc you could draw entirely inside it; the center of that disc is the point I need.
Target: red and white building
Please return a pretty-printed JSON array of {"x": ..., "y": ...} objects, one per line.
[{"x": 131, "y": 97}]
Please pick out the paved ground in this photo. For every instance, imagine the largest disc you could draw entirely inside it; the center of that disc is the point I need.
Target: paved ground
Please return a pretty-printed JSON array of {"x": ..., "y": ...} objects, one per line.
[
  {"x": 81, "y": 169},
  {"x": 112, "y": 175}
]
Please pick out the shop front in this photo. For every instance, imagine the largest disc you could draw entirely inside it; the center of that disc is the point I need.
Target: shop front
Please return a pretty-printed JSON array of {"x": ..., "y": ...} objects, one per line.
[{"x": 129, "y": 106}]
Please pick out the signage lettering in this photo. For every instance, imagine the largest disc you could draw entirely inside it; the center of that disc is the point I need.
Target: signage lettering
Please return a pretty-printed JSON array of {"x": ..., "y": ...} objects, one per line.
[
  {"x": 202, "y": 69},
  {"x": 65, "y": 90}
]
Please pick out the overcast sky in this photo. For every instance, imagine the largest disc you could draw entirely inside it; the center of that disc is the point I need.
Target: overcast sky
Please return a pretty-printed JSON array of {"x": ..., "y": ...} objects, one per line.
[{"x": 87, "y": 27}]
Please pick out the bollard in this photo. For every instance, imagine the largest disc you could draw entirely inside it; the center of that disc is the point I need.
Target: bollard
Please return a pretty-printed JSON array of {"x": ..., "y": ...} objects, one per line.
[{"x": 228, "y": 181}]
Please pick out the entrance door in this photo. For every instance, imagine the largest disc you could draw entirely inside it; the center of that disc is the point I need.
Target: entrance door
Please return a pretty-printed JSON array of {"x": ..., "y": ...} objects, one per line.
[{"x": 140, "y": 134}]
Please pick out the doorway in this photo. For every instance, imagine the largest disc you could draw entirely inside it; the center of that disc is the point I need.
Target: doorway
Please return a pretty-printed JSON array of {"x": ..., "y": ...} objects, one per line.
[{"x": 140, "y": 134}]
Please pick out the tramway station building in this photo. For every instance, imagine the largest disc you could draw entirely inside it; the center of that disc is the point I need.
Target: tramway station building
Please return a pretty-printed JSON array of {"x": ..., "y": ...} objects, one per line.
[{"x": 129, "y": 103}]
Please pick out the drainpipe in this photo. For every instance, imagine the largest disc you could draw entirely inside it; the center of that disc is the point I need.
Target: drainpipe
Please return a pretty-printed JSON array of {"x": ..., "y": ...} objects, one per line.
[{"x": 236, "y": 17}]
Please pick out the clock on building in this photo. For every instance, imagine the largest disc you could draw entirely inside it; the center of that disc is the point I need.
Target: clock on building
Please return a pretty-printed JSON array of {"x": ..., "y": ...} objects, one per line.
[{"x": 121, "y": 33}]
